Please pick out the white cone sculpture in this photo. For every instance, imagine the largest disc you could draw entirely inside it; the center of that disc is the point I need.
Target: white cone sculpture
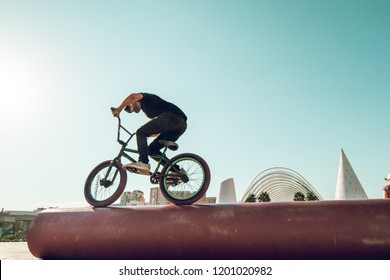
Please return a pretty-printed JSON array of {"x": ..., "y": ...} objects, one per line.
[
  {"x": 348, "y": 186},
  {"x": 227, "y": 192}
]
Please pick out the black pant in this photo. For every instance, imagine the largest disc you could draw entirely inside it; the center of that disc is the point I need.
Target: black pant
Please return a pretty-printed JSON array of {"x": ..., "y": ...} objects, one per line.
[{"x": 170, "y": 126}]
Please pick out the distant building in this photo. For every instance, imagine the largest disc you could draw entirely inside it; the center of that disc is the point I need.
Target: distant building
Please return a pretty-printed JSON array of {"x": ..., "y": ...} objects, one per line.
[
  {"x": 157, "y": 198},
  {"x": 348, "y": 186},
  {"x": 15, "y": 224},
  {"x": 227, "y": 192},
  {"x": 212, "y": 199},
  {"x": 134, "y": 198},
  {"x": 280, "y": 184}
]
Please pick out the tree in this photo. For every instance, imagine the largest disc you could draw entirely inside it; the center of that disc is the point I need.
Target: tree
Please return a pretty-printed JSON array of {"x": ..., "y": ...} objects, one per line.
[
  {"x": 264, "y": 197},
  {"x": 251, "y": 198},
  {"x": 298, "y": 196},
  {"x": 310, "y": 196}
]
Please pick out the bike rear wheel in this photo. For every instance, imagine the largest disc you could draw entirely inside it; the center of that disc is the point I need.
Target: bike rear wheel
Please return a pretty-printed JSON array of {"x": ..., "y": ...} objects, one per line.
[
  {"x": 105, "y": 184},
  {"x": 185, "y": 179}
]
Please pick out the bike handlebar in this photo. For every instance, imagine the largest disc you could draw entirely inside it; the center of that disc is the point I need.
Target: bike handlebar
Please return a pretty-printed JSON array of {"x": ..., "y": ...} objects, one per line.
[{"x": 113, "y": 111}]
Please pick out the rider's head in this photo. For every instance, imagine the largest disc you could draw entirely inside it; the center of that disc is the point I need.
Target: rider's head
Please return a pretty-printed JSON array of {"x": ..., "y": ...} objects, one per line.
[
  {"x": 133, "y": 107},
  {"x": 136, "y": 107}
]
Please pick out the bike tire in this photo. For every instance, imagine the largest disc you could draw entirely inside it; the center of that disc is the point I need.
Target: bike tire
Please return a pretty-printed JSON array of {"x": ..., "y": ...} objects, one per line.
[
  {"x": 99, "y": 195},
  {"x": 198, "y": 173}
]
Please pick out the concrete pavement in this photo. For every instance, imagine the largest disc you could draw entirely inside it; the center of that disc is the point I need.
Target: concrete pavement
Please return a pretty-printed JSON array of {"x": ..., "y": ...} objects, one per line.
[{"x": 15, "y": 251}]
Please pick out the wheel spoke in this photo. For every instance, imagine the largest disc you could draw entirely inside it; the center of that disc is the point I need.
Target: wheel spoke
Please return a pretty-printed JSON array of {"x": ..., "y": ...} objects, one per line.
[
  {"x": 185, "y": 190},
  {"x": 101, "y": 188}
]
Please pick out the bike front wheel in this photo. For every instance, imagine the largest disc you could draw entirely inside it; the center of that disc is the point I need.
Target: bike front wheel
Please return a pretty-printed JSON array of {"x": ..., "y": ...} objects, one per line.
[
  {"x": 105, "y": 184},
  {"x": 185, "y": 179}
]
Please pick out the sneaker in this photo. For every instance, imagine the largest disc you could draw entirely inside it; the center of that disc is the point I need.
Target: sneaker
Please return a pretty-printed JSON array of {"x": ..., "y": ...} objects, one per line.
[{"x": 142, "y": 168}]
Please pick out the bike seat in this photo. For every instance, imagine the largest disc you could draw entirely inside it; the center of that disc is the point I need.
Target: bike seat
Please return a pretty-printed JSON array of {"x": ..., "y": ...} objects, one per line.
[{"x": 169, "y": 144}]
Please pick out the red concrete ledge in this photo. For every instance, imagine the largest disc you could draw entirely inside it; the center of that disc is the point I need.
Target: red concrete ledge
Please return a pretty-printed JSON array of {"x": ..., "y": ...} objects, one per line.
[{"x": 290, "y": 230}]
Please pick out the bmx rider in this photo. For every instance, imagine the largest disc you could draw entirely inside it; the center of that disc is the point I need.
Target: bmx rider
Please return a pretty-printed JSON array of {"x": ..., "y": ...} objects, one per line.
[{"x": 167, "y": 120}]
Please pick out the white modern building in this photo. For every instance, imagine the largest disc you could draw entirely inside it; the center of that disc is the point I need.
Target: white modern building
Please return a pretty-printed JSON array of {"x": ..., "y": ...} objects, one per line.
[
  {"x": 281, "y": 184},
  {"x": 348, "y": 186},
  {"x": 227, "y": 192}
]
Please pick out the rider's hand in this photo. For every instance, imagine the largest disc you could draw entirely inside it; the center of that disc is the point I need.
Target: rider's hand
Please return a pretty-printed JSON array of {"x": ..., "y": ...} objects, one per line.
[
  {"x": 115, "y": 112},
  {"x": 129, "y": 108}
]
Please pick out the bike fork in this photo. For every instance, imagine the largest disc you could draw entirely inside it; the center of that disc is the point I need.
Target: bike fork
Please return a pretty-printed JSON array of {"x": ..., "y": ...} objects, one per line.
[{"x": 106, "y": 177}]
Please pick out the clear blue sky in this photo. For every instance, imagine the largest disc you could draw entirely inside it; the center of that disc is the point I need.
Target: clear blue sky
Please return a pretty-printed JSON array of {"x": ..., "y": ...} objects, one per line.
[{"x": 264, "y": 83}]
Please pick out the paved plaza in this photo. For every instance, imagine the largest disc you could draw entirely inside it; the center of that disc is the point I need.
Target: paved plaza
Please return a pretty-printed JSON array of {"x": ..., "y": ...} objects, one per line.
[{"x": 15, "y": 251}]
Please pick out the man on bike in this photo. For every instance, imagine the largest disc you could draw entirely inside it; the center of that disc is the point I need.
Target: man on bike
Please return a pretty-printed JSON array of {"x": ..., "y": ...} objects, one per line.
[
  {"x": 167, "y": 120},
  {"x": 386, "y": 189}
]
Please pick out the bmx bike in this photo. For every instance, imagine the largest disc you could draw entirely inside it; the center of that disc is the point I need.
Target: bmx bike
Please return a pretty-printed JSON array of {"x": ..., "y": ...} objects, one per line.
[{"x": 183, "y": 179}]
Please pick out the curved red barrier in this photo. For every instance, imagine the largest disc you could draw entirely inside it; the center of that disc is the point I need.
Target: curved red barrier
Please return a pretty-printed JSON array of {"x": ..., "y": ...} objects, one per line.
[{"x": 275, "y": 230}]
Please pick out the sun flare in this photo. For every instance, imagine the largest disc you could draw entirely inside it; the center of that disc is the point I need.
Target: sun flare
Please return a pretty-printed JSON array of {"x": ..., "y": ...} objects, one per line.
[{"x": 22, "y": 87}]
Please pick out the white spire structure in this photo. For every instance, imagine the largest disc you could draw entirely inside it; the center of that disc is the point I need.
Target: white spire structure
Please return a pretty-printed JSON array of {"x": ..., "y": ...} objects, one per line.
[
  {"x": 348, "y": 186},
  {"x": 227, "y": 192}
]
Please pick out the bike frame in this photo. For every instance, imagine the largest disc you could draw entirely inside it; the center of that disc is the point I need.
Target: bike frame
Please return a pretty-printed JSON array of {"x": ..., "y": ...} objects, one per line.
[{"x": 124, "y": 152}]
